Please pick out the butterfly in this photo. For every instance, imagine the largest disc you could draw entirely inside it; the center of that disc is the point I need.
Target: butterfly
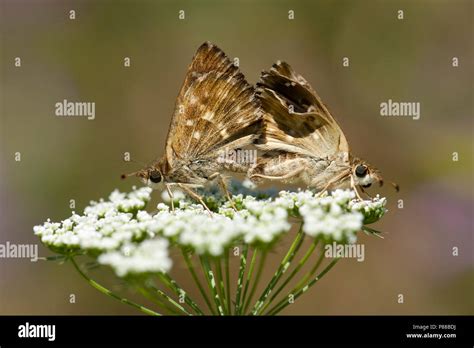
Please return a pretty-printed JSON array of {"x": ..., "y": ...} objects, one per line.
[
  {"x": 301, "y": 141},
  {"x": 216, "y": 112}
]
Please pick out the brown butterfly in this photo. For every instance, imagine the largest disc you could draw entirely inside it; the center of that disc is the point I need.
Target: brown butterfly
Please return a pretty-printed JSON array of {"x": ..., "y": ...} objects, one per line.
[
  {"x": 301, "y": 140},
  {"x": 216, "y": 111}
]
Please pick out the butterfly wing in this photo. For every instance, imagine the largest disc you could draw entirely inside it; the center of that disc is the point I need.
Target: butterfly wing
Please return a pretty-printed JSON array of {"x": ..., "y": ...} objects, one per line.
[
  {"x": 215, "y": 108},
  {"x": 296, "y": 120}
]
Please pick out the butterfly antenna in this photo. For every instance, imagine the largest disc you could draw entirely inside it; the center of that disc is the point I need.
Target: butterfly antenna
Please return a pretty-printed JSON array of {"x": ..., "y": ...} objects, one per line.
[
  {"x": 143, "y": 165},
  {"x": 124, "y": 176}
]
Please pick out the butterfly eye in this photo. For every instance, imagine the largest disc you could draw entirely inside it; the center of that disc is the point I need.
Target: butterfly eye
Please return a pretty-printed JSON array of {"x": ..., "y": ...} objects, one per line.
[
  {"x": 361, "y": 170},
  {"x": 155, "y": 176}
]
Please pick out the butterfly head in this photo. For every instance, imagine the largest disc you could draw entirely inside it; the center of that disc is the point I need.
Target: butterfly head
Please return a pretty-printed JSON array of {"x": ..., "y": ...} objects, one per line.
[
  {"x": 150, "y": 176},
  {"x": 365, "y": 175}
]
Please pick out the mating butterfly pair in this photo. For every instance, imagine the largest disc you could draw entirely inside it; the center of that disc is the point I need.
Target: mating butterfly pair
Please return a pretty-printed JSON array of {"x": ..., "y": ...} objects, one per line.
[{"x": 218, "y": 111}]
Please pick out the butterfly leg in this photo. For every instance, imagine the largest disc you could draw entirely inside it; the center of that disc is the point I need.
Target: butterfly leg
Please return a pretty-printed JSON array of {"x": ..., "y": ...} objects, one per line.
[
  {"x": 353, "y": 186},
  {"x": 224, "y": 188},
  {"x": 280, "y": 177},
  {"x": 170, "y": 193},
  {"x": 195, "y": 196},
  {"x": 364, "y": 191},
  {"x": 332, "y": 182}
]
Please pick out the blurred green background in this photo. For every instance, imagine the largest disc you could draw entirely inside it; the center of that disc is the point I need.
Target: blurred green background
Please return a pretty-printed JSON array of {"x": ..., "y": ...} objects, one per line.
[{"x": 67, "y": 158}]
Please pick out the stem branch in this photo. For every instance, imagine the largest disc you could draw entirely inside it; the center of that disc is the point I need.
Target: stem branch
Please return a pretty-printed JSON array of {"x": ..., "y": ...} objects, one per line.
[{"x": 108, "y": 292}]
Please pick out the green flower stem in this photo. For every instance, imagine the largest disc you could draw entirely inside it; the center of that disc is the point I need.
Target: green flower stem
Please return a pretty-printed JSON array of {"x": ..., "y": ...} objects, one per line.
[
  {"x": 240, "y": 280},
  {"x": 298, "y": 292},
  {"x": 211, "y": 282},
  {"x": 311, "y": 272},
  {"x": 227, "y": 280},
  {"x": 196, "y": 280},
  {"x": 220, "y": 284},
  {"x": 257, "y": 280},
  {"x": 173, "y": 286},
  {"x": 284, "y": 265},
  {"x": 108, "y": 292},
  {"x": 169, "y": 299},
  {"x": 152, "y": 297},
  {"x": 249, "y": 277},
  {"x": 300, "y": 264}
]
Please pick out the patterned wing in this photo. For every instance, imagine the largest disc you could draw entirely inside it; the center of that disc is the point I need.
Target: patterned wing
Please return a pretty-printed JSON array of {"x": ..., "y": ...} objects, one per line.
[
  {"x": 296, "y": 120},
  {"x": 215, "y": 108}
]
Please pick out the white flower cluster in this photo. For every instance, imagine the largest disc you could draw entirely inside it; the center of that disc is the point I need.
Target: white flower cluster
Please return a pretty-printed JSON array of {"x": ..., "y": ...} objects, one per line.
[
  {"x": 123, "y": 235},
  {"x": 103, "y": 226},
  {"x": 194, "y": 227},
  {"x": 372, "y": 210},
  {"x": 330, "y": 217},
  {"x": 150, "y": 256},
  {"x": 264, "y": 220},
  {"x": 336, "y": 217},
  {"x": 191, "y": 226}
]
